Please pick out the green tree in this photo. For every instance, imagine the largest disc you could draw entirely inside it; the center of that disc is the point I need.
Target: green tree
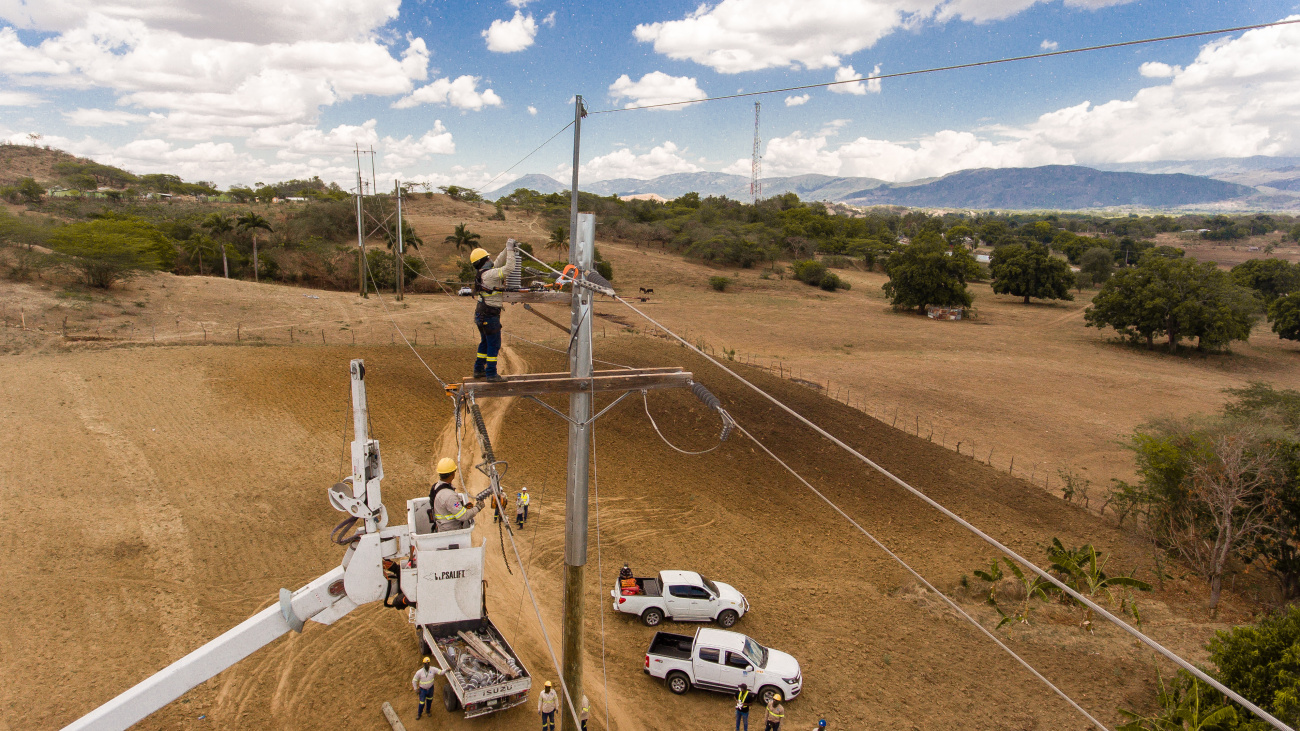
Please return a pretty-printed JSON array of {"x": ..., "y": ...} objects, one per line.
[
  {"x": 1030, "y": 271},
  {"x": 251, "y": 223},
  {"x": 1097, "y": 264},
  {"x": 220, "y": 226},
  {"x": 31, "y": 190},
  {"x": 462, "y": 238},
  {"x": 107, "y": 250},
  {"x": 1284, "y": 313},
  {"x": 559, "y": 238},
  {"x": 1272, "y": 278},
  {"x": 927, "y": 272},
  {"x": 1262, "y": 663}
]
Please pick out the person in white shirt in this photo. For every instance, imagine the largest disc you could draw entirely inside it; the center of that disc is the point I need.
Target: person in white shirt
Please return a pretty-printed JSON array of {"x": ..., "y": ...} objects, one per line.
[{"x": 423, "y": 682}]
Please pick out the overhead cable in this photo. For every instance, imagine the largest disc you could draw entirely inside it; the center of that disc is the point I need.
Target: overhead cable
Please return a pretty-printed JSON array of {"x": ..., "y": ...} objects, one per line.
[
  {"x": 521, "y": 160},
  {"x": 921, "y": 579},
  {"x": 1197, "y": 672},
  {"x": 975, "y": 64}
]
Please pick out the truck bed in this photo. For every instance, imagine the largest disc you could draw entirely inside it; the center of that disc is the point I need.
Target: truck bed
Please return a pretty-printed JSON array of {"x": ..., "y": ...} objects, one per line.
[
  {"x": 671, "y": 645},
  {"x": 649, "y": 586},
  {"x": 478, "y": 687}
]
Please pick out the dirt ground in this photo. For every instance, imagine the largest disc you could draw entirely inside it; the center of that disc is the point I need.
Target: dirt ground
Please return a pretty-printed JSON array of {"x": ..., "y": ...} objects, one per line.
[{"x": 187, "y": 487}]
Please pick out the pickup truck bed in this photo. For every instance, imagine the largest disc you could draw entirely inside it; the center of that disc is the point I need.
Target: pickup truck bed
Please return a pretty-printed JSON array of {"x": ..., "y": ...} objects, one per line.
[
  {"x": 649, "y": 586},
  {"x": 667, "y": 644}
]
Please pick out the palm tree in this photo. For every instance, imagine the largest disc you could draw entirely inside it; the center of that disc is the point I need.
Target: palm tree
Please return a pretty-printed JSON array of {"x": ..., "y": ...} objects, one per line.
[
  {"x": 460, "y": 237},
  {"x": 559, "y": 238},
  {"x": 249, "y": 223},
  {"x": 195, "y": 246},
  {"x": 220, "y": 226}
]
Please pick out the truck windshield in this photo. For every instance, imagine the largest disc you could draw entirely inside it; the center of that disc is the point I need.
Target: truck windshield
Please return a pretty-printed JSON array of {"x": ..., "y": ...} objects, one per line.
[
  {"x": 711, "y": 586},
  {"x": 756, "y": 653}
]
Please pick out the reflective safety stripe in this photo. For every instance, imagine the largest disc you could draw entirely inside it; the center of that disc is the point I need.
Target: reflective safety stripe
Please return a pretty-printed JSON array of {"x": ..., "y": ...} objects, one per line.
[
  {"x": 490, "y": 359},
  {"x": 453, "y": 516},
  {"x": 481, "y": 355},
  {"x": 524, "y": 500}
]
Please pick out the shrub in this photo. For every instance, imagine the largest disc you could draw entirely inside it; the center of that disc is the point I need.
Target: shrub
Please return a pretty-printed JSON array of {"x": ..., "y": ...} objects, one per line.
[
  {"x": 1263, "y": 663},
  {"x": 605, "y": 269},
  {"x": 110, "y": 249},
  {"x": 809, "y": 271},
  {"x": 831, "y": 282},
  {"x": 719, "y": 284}
]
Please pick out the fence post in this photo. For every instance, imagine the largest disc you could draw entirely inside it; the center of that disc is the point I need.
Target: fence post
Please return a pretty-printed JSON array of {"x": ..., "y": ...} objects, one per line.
[
  {"x": 322, "y": 336},
  {"x": 290, "y": 334},
  {"x": 238, "y": 327},
  {"x": 1012, "y": 469},
  {"x": 65, "y": 328}
]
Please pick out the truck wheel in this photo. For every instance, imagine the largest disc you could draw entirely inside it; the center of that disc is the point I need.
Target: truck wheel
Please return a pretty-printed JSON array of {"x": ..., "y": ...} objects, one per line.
[
  {"x": 652, "y": 617},
  {"x": 766, "y": 692},
  {"x": 728, "y": 618},
  {"x": 678, "y": 683},
  {"x": 449, "y": 699}
]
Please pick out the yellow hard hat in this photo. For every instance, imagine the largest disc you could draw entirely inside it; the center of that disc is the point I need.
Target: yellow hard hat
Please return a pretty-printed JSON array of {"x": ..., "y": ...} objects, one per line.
[
  {"x": 446, "y": 466},
  {"x": 776, "y": 696},
  {"x": 477, "y": 255},
  {"x": 548, "y": 684},
  {"x": 428, "y": 660}
]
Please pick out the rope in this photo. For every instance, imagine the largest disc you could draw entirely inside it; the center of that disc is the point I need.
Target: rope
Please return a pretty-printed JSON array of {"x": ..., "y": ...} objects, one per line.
[
  {"x": 975, "y": 64},
  {"x": 1197, "y": 672},
  {"x": 565, "y": 352},
  {"x": 600, "y": 570},
  {"x": 646, "y": 400},
  {"x": 399, "y": 329}
]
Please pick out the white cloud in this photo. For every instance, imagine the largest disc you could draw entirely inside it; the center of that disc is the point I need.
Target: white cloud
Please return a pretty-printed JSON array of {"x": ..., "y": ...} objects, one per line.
[
  {"x": 1047, "y": 45},
  {"x": 655, "y": 87},
  {"x": 1240, "y": 97},
  {"x": 623, "y": 163},
  {"x": 519, "y": 3},
  {"x": 983, "y": 11},
  {"x": 532, "y": 110},
  {"x": 508, "y": 36},
  {"x": 794, "y": 101},
  {"x": 1157, "y": 70},
  {"x": 248, "y": 21},
  {"x": 844, "y": 73},
  {"x": 403, "y": 152},
  {"x": 19, "y": 99},
  {"x": 295, "y": 141},
  {"x": 833, "y": 127},
  {"x": 462, "y": 93},
  {"x": 549, "y": 20},
  {"x": 102, "y": 117}
]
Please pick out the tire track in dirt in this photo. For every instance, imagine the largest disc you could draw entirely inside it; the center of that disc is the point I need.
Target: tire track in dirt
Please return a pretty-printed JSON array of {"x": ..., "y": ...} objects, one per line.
[{"x": 160, "y": 523}]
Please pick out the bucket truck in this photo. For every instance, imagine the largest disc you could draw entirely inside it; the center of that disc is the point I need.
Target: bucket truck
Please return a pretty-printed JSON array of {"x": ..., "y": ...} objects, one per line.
[{"x": 437, "y": 577}]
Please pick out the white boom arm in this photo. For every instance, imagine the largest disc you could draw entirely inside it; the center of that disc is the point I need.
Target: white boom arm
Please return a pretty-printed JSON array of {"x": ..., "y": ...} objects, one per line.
[
  {"x": 359, "y": 580},
  {"x": 313, "y": 601}
]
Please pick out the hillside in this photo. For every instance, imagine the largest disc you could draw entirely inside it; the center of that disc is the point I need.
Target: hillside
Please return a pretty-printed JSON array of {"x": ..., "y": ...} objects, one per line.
[
  {"x": 1060, "y": 187},
  {"x": 26, "y": 161}
]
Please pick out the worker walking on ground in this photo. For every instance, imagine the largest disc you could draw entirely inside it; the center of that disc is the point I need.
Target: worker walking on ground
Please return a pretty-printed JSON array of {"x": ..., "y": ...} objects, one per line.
[
  {"x": 584, "y": 715},
  {"x": 422, "y": 683},
  {"x": 743, "y": 699},
  {"x": 499, "y": 503},
  {"x": 451, "y": 510},
  {"x": 523, "y": 500},
  {"x": 547, "y": 702},
  {"x": 489, "y": 284},
  {"x": 521, "y": 509},
  {"x": 775, "y": 713}
]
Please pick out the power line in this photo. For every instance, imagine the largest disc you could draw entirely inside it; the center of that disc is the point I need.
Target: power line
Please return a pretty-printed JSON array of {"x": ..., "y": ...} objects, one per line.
[
  {"x": 1237, "y": 697},
  {"x": 521, "y": 160},
  {"x": 921, "y": 579},
  {"x": 975, "y": 64}
]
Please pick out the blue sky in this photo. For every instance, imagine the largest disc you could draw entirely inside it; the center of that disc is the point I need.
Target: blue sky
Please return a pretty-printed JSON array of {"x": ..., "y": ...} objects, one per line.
[{"x": 456, "y": 92}]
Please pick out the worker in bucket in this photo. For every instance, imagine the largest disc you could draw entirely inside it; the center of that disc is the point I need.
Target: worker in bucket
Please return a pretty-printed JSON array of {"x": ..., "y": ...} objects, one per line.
[
  {"x": 489, "y": 286},
  {"x": 775, "y": 713},
  {"x": 451, "y": 510},
  {"x": 743, "y": 699},
  {"x": 423, "y": 684},
  {"x": 547, "y": 702}
]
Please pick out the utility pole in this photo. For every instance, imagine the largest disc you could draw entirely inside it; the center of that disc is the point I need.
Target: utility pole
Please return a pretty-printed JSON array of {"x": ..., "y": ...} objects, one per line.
[
  {"x": 582, "y": 234},
  {"x": 361, "y": 232},
  {"x": 756, "y": 166},
  {"x": 400, "y": 267}
]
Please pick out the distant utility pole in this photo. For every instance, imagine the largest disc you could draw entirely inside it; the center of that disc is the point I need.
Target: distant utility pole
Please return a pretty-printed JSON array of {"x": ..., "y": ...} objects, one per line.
[
  {"x": 361, "y": 223},
  {"x": 756, "y": 167},
  {"x": 398, "y": 187}
]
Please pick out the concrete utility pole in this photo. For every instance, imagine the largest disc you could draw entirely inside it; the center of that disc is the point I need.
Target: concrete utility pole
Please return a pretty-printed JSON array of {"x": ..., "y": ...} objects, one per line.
[
  {"x": 361, "y": 233},
  {"x": 400, "y": 268},
  {"x": 582, "y": 244}
]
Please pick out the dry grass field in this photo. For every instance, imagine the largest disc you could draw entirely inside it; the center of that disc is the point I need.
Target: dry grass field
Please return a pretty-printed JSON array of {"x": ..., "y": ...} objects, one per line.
[{"x": 163, "y": 488}]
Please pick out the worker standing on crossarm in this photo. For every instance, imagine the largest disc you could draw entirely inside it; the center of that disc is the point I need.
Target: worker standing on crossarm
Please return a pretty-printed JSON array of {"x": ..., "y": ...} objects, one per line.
[
  {"x": 451, "y": 510},
  {"x": 489, "y": 286},
  {"x": 743, "y": 699},
  {"x": 547, "y": 702},
  {"x": 423, "y": 684},
  {"x": 775, "y": 713}
]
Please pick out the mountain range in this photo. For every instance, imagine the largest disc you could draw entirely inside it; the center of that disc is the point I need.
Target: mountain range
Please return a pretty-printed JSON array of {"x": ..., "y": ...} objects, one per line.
[{"x": 1227, "y": 184}]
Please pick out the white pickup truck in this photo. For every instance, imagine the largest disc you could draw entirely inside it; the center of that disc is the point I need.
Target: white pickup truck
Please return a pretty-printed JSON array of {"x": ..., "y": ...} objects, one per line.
[
  {"x": 718, "y": 660},
  {"x": 682, "y": 596}
]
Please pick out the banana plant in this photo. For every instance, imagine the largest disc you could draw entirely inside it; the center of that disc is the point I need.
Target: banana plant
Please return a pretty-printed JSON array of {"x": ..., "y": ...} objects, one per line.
[
  {"x": 1035, "y": 587},
  {"x": 1183, "y": 709},
  {"x": 1084, "y": 570}
]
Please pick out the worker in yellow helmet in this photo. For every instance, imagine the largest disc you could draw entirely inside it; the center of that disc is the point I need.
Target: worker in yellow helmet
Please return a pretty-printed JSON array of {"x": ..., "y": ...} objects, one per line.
[
  {"x": 423, "y": 683},
  {"x": 489, "y": 284},
  {"x": 451, "y": 510},
  {"x": 775, "y": 713}
]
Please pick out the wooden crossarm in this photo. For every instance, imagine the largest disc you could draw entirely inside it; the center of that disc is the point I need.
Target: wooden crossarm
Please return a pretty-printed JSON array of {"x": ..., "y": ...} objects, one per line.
[{"x": 536, "y": 384}]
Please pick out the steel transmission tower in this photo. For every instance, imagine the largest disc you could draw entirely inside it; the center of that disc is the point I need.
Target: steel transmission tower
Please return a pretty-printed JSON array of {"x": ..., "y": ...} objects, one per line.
[{"x": 756, "y": 169}]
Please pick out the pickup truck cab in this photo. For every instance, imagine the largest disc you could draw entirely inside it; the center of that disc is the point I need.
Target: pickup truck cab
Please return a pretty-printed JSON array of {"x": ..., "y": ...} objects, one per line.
[
  {"x": 683, "y": 596},
  {"x": 719, "y": 660}
]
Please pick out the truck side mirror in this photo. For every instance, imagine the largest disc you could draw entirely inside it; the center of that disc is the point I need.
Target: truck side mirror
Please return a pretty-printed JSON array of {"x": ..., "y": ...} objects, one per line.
[{"x": 749, "y": 668}]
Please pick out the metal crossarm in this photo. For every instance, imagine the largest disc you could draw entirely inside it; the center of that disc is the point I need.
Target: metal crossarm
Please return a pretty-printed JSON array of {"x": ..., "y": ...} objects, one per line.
[{"x": 535, "y": 384}]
